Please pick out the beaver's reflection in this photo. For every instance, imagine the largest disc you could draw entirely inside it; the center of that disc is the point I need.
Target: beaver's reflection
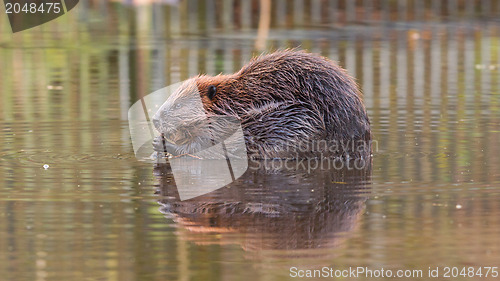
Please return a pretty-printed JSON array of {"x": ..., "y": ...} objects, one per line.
[{"x": 270, "y": 209}]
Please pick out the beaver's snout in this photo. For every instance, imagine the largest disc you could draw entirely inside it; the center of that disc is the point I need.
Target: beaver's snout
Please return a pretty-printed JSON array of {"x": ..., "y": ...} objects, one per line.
[
  {"x": 156, "y": 123},
  {"x": 162, "y": 124}
]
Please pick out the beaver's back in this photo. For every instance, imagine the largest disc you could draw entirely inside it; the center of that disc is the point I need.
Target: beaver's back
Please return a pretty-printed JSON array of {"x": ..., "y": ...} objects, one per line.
[{"x": 304, "y": 97}]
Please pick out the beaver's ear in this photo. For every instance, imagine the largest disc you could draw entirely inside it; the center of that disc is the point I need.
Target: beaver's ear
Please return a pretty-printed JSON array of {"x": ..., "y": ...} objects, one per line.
[{"x": 212, "y": 90}]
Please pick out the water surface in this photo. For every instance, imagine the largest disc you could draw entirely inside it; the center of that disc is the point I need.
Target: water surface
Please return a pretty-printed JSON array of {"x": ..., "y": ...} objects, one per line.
[{"x": 75, "y": 204}]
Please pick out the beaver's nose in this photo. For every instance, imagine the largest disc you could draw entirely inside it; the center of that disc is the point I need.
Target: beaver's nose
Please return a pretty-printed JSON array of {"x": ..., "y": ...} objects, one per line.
[{"x": 156, "y": 123}]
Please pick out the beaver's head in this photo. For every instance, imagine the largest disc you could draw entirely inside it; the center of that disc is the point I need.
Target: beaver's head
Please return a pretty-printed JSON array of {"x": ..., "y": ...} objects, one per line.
[{"x": 193, "y": 117}]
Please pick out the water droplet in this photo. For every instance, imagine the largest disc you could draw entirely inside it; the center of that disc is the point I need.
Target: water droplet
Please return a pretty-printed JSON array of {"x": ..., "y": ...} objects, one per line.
[{"x": 45, "y": 166}]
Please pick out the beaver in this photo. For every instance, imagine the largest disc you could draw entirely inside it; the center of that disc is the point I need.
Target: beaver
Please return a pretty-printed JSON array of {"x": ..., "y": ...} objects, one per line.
[{"x": 290, "y": 104}]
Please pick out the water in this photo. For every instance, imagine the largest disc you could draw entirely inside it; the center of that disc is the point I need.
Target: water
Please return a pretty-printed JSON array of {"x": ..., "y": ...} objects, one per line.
[{"x": 75, "y": 204}]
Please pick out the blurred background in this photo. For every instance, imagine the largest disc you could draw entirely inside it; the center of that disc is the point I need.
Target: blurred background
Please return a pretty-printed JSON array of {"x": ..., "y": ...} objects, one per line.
[{"x": 75, "y": 204}]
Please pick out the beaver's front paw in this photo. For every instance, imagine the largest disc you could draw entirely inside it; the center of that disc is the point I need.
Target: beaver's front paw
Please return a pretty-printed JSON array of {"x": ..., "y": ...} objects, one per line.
[
  {"x": 161, "y": 145},
  {"x": 158, "y": 144}
]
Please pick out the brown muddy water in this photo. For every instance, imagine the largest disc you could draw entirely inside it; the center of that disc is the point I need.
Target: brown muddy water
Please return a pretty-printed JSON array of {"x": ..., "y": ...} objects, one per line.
[{"x": 75, "y": 203}]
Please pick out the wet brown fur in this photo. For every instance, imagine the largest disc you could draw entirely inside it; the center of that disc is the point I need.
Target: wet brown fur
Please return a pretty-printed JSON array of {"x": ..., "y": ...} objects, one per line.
[{"x": 289, "y": 102}]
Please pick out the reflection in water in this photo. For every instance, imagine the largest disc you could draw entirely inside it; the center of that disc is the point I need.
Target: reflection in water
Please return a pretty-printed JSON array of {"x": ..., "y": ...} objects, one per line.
[{"x": 300, "y": 210}]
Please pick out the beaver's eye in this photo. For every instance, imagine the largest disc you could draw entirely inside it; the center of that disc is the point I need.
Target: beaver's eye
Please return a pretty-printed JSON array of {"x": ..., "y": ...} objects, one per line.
[
  {"x": 212, "y": 90},
  {"x": 178, "y": 105}
]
